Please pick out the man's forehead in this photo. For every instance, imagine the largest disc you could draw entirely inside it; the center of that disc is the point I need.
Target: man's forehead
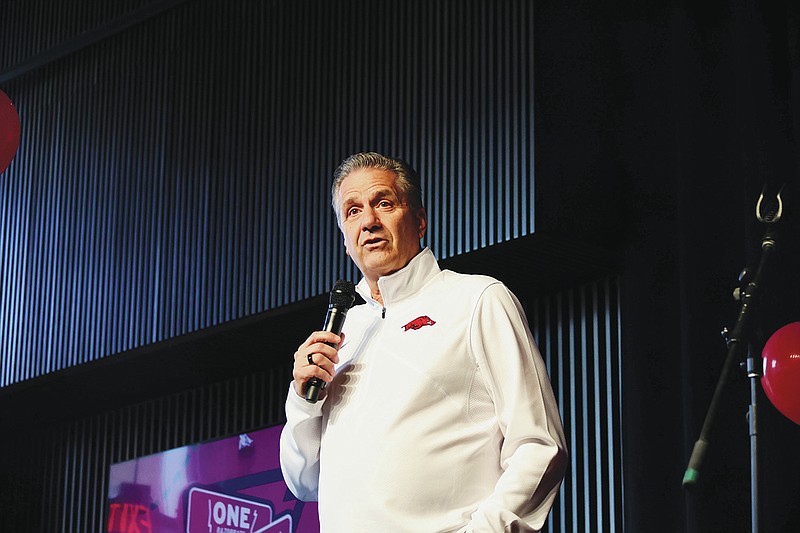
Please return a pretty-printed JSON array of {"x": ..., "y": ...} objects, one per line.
[
  {"x": 369, "y": 183},
  {"x": 376, "y": 192}
]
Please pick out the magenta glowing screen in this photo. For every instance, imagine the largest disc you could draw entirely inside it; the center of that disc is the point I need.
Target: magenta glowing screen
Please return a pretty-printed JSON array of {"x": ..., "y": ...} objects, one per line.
[{"x": 231, "y": 485}]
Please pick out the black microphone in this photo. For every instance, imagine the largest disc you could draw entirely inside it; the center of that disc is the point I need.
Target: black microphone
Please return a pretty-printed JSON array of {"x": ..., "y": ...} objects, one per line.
[{"x": 343, "y": 295}]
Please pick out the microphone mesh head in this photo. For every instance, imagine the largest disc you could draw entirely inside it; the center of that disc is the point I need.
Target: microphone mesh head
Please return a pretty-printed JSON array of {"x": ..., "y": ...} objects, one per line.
[{"x": 343, "y": 294}]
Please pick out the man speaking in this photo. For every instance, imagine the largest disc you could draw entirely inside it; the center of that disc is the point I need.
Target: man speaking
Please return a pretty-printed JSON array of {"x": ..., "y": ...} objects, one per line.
[{"x": 437, "y": 415}]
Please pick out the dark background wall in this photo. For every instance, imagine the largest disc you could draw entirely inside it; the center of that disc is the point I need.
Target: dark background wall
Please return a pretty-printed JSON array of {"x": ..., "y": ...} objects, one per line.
[
  {"x": 151, "y": 271},
  {"x": 163, "y": 167}
]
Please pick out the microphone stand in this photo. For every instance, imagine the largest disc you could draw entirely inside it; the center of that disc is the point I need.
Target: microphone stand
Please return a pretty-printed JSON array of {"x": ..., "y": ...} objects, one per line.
[
  {"x": 754, "y": 374},
  {"x": 736, "y": 341}
]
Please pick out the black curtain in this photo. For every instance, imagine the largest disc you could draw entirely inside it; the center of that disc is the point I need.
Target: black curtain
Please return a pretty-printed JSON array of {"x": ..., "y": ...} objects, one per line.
[{"x": 670, "y": 120}]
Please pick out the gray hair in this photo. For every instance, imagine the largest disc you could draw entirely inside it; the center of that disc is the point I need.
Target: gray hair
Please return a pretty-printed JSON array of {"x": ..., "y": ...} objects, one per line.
[{"x": 408, "y": 181}]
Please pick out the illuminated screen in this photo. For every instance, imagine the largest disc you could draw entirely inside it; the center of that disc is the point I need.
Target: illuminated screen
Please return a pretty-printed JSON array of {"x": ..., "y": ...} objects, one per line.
[{"x": 232, "y": 485}]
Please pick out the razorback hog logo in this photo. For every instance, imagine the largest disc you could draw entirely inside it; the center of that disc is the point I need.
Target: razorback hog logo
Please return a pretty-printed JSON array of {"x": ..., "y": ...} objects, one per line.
[{"x": 418, "y": 322}]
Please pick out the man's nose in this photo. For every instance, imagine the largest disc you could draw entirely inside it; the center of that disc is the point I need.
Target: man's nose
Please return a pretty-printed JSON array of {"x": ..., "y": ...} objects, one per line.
[{"x": 369, "y": 219}]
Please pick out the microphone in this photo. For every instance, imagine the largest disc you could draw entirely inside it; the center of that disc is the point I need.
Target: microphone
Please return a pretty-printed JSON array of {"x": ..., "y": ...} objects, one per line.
[{"x": 343, "y": 295}]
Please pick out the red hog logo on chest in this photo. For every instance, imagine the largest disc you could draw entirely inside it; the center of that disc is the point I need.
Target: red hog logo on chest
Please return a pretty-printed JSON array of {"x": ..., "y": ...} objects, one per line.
[{"x": 418, "y": 322}]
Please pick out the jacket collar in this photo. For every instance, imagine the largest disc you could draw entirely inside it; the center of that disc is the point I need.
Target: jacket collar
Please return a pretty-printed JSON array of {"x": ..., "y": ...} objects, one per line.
[{"x": 406, "y": 281}]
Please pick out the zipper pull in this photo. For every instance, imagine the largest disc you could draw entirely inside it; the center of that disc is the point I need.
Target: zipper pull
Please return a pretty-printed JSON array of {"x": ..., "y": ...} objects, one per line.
[{"x": 383, "y": 313}]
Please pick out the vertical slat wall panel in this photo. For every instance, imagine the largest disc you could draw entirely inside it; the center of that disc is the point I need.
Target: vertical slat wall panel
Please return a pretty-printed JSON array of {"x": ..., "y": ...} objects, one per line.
[
  {"x": 579, "y": 337},
  {"x": 174, "y": 176},
  {"x": 71, "y": 462},
  {"x": 34, "y": 26}
]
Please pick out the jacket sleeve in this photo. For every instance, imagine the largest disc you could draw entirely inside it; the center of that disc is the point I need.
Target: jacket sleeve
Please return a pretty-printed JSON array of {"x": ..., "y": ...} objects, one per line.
[
  {"x": 533, "y": 449},
  {"x": 299, "y": 450}
]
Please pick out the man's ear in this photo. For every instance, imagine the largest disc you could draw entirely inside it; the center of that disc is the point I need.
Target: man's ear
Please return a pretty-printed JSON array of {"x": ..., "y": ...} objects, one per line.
[{"x": 422, "y": 217}]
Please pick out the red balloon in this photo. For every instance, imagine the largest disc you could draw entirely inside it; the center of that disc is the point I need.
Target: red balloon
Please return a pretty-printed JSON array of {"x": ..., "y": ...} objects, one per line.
[
  {"x": 9, "y": 131},
  {"x": 781, "y": 379}
]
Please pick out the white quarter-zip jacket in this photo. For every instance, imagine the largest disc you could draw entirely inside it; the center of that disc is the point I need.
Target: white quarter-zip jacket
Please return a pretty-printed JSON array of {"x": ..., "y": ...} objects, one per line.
[{"x": 440, "y": 417}]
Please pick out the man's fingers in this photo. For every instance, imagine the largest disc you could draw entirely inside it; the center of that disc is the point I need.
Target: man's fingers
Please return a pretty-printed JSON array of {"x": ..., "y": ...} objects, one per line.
[
  {"x": 325, "y": 363},
  {"x": 323, "y": 337},
  {"x": 316, "y": 358}
]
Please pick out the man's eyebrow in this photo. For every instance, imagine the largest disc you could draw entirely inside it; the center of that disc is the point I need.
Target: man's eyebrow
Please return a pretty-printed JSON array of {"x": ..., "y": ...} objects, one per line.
[
  {"x": 377, "y": 195},
  {"x": 380, "y": 194},
  {"x": 349, "y": 199}
]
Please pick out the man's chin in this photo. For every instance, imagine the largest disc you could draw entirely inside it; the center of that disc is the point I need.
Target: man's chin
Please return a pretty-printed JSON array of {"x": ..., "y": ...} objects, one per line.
[{"x": 379, "y": 268}]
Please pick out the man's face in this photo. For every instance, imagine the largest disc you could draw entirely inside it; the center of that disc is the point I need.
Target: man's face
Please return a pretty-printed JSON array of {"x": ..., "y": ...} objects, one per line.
[{"x": 381, "y": 232}]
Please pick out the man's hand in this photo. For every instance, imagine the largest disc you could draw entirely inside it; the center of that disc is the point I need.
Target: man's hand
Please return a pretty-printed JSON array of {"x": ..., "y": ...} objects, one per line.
[{"x": 315, "y": 358}]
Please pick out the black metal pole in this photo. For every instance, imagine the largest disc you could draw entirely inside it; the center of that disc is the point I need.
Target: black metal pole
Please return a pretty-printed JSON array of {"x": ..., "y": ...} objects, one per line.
[
  {"x": 754, "y": 374},
  {"x": 737, "y": 340}
]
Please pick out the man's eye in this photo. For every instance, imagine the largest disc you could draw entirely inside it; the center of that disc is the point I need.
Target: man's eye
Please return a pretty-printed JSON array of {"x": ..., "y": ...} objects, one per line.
[
  {"x": 385, "y": 204},
  {"x": 352, "y": 211}
]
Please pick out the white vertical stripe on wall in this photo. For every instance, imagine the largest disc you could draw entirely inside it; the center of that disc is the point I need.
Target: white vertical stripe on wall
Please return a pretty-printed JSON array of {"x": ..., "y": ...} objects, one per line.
[{"x": 578, "y": 334}]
